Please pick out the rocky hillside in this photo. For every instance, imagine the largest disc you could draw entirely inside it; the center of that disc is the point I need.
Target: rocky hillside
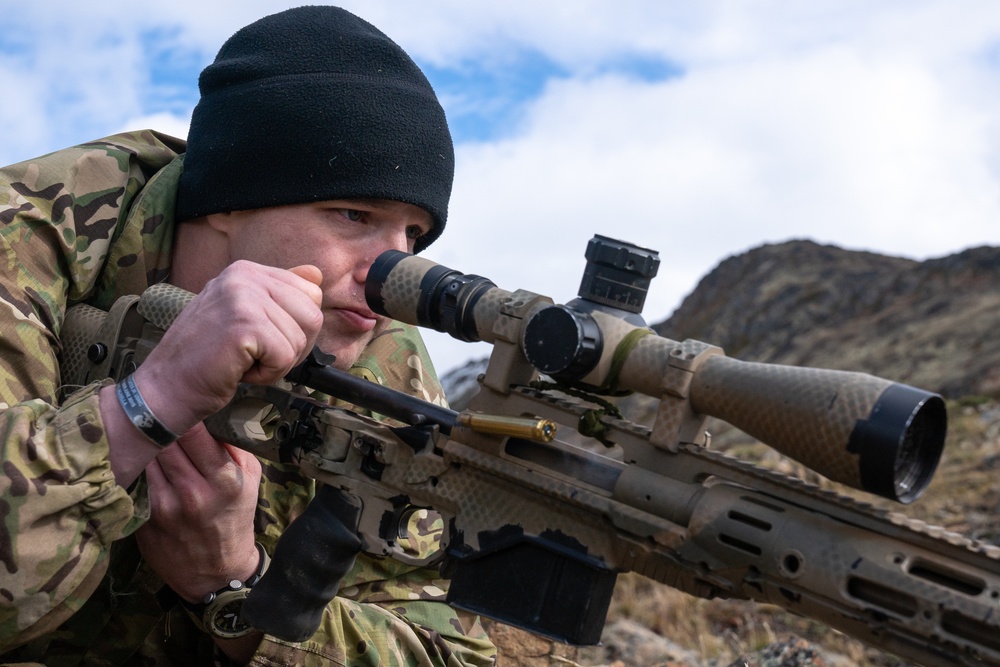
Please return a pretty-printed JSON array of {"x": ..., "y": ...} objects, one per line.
[{"x": 932, "y": 324}]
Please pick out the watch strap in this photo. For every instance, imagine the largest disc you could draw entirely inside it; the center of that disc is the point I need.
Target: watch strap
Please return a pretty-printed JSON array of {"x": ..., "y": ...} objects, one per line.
[{"x": 200, "y": 612}]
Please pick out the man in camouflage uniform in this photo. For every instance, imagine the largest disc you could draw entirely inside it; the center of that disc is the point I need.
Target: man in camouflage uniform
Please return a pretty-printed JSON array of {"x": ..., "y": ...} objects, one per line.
[{"x": 316, "y": 145}]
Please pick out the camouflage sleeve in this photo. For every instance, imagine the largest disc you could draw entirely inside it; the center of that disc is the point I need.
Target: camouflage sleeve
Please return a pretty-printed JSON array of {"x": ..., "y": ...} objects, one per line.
[
  {"x": 386, "y": 613},
  {"x": 60, "y": 507},
  {"x": 60, "y": 510}
]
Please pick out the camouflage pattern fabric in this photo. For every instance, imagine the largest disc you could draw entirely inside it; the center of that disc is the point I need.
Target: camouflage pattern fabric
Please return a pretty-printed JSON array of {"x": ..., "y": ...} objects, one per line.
[
  {"x": 90, "y": 224},
  {"x": 60, "y": 508}
]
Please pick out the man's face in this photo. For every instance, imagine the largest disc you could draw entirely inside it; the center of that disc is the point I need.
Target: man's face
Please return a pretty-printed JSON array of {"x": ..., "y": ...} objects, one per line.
[{"x": 342, "y": 238}]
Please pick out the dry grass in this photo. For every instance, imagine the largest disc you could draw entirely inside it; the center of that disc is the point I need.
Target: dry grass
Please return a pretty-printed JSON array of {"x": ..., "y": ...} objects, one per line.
[{"x": 720, "y": 631}]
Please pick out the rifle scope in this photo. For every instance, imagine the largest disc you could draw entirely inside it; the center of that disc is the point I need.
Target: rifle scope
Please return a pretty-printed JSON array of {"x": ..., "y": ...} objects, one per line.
[{"x": 879, "y": 436}]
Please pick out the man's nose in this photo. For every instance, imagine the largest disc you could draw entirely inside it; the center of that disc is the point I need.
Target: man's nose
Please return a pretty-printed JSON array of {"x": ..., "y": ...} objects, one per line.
[{"x": 389, "y": 241}]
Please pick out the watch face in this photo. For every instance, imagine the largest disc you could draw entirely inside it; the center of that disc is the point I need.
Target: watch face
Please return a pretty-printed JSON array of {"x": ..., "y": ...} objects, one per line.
[{"x": 223, "y": 615}]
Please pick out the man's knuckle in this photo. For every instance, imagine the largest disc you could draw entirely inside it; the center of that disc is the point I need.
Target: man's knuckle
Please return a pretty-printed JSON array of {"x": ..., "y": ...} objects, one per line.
[
  {"x": 190, "y": 502},
  {"x": 230, "y": 480}
]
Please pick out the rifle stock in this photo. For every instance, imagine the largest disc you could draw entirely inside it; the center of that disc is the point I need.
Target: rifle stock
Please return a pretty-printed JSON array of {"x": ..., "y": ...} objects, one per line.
[{"x": 536, "y": 528}]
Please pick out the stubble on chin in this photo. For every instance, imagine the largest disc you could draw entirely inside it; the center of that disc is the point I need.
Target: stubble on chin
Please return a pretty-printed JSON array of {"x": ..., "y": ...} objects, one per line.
[{"x": 345, "y": 360}]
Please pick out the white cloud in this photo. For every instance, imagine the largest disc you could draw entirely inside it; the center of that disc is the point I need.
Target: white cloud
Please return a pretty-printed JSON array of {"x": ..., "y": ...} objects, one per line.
[
  {"x": 877, "y": 156},
  {"x": 164, "y": 122},
  {"x": 863, "y": 139},
  {"x": 868, "y": 125}
]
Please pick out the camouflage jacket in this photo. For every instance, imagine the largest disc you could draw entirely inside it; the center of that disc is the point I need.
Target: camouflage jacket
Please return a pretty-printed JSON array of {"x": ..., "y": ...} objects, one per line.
[{"x": 87, "y": 225}]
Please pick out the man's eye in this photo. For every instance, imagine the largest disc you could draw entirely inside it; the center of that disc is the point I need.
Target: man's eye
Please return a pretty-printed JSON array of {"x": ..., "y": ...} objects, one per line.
[
  {"x": 414, "y": 232},
  {"x": 352, "y": 214}
]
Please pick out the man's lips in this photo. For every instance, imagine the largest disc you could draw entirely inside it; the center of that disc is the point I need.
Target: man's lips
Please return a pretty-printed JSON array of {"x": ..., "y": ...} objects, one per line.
[{"x": 358, "y": 319}]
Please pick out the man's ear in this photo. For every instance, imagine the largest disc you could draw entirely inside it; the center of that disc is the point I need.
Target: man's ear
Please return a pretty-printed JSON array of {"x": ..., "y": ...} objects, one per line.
[
  {"x": 201, "y": 250},
  {"x": 222, "y": 222}
]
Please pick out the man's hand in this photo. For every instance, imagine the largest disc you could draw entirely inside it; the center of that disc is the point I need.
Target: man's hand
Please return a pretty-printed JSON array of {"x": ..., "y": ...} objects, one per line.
[
  {"x": 252, "y": 323},
  {"x": 202, "y": 494}
]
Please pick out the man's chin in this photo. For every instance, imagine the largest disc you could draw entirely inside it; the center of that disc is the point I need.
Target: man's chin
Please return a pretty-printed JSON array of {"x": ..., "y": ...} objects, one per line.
[
  {"x": 345, "y": 352},
  {"x": 348, "y": 349}
]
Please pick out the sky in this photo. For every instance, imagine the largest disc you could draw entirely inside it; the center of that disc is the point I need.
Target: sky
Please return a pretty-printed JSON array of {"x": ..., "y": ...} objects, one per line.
[{"x": 700, "y": 130}]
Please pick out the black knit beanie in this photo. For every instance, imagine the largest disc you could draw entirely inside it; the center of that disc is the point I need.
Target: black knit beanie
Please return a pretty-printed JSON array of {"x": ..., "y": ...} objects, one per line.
[{"x": 312, "y": 104}]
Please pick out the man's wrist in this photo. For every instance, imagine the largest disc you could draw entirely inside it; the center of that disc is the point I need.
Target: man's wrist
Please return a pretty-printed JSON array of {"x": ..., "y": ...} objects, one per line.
[
  {"x": 128, "y": 451},
  {"x": 218, "y": 612},
  {"x": 141, "y": 415},
  {"x": 171, "y": 411}
]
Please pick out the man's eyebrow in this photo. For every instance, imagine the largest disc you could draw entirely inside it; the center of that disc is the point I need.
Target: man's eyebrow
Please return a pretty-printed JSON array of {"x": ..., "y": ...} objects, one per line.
[{"x": 380, "y": 204}]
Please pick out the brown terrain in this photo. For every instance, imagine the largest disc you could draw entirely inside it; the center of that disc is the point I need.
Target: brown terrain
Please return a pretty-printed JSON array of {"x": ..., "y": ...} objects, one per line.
[{"x": 932, "y": 324}]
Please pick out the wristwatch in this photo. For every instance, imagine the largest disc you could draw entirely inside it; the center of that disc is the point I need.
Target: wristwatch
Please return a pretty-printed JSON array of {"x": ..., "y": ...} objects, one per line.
[{"x": 219, "y": 613}]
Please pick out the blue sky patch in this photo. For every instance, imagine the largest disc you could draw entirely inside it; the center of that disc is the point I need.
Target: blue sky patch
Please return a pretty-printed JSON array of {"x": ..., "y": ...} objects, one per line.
[
  {"x": 485, "y": 100},
  {"x": 173, "y": 72},
  {"x": 651, "y": 69}
]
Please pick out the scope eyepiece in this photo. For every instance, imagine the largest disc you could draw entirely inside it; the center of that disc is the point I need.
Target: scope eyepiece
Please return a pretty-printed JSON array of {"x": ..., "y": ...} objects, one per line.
[{"x": 445, "y": 299}]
